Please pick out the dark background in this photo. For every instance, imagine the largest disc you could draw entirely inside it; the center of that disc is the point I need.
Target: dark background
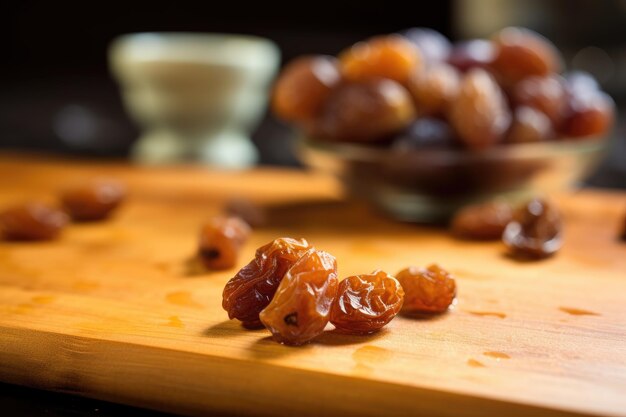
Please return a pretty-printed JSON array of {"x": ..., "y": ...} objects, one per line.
[
  {"x": 54, "y": 60},
  {"x": 55, "y": 56}
]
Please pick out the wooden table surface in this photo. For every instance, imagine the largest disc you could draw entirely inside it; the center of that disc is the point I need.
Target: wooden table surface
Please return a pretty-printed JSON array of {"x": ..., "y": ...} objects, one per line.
[{"x": 116, "y": 311}]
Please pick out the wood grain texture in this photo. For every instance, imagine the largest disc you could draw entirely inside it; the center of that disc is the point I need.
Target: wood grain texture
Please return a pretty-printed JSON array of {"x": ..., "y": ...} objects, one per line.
[{"x": 116, "y": 311}]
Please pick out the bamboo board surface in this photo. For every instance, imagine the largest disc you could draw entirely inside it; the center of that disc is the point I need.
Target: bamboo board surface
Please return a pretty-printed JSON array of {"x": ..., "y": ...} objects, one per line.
[{"x": 116, "y": 311}]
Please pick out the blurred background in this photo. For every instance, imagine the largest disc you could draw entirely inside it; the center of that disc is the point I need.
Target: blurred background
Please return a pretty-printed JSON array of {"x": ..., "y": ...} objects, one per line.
[{"x": 57, "y": 94}]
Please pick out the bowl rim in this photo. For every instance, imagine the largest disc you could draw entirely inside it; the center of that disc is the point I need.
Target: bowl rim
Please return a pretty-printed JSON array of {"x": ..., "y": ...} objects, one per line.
[{"x": 518, "y": 151}]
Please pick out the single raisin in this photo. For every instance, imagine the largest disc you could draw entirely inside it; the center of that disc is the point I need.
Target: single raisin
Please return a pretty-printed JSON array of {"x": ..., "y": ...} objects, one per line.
[
  {"x": 475, "y": 53},
  {"x": 246, "y": 210},
  {"x": 535, "y": 230},
  {"x": 529, "y": 125},
  {"x": 433, "y": 45},
  {"x": 427, "y": 290},
  {"x": 221, "y": 240},
  {"x": 434, "y": 88},
  {"x": 591, "y": 114},
  {"x": 32, "y": 221},
  {"x": 366, "y": 303},
  {"x": 480, "y": 113},
  {"x": 547, "y": 94},
  {"x": 303, "y": 87},
  {"x": 300, "y": 308},
  {"x": 522, "y": 53},
  {"x": 367, "y": 111},
  {"x": 425, "y": 132},
  {"x": 94, "y": 200},
  {"x": 581, "y": 81},
  {"x": 253, "y": 287},
  {"x": 390, "y": 56},
  {"x": 484, "y": 221}
]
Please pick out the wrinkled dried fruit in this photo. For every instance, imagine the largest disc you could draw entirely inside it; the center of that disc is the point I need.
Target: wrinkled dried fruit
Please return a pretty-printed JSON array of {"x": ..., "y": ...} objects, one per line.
[
  {"x": 480, "y": 113},
  {"x": 94, "y": 200},
  {"x": 547, "y": 94},
  {"x": 300, "y": 308},
  {"x": 427, "y": 290},
  {"x": 434, "y": 88},
  {"x": 592, "y": 113},
  {"x": 433, "y": 45},
  {"x": 476, "y": 53},
  {"x": 522, "y": 53},
  {"x": 221, "y": 240},
  {"x": 303, "y": 86},
  {"x": 31, "y": 221},
  {"x": 535, "y": 231},
  {"x": 246, "y": 210},
  {"x": 481, "y": 221},
  {"x": 252, "y": 288},
  {"x": 367, "y": 111},
  {"x": 366, "y": 303},
  {"x": 529, "y": 125},
  {"x": 581, "y": 81},
  {"x": 391, "y": 56},
  {"x": 426, "y": 132}
]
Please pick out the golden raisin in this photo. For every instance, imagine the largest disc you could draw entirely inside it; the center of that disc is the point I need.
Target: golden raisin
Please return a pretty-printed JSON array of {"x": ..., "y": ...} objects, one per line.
[
  {"x": 300, "y": 308},
  {"x": 366, "y": 303},
  {"x": 434, "y": 88},
  {"x": 390, "y": 56},
  {"x": 32, "y": 221},
  {"x": 535, "y": 230},
  {"x": 367, "y": 111},
  {"x": 252, "y": 288},
  {"x": 522, "y": 53},
  {"x": 480, "y": 114},
  {"x": 221, "y": 240},
  {"x": 427, "y": 290},
  {"x": 547, "y": 94},
  {"x": 94, "y": 200},
  {"x": 484, "y": 221},
  {"x": 529, "y": 125},
  {"x": 474, "y": 53},
  {"x": 592, "y": 114},
  {"x": 303, "y": 86}
]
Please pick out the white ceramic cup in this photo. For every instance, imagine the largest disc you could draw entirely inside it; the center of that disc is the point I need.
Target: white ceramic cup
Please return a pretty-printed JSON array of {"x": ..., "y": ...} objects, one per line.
[{"x": 196, "y": 96}]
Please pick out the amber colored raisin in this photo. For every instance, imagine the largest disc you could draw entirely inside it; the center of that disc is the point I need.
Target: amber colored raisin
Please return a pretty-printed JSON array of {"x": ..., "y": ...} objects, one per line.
[
  {"x": 221, "y": 240},
  {"x": 94, "y": 200},
  {"x": 367, "y": 111},
  {"x": 480, "y": 114},
  {"x": 300, "y": 308},
  {"x": 529, "y": 125},
  {"x": 252, "y": 288},
  {"x": 475, "y": 53},
  {"x": 31, "y": 221},
  {"x": 484, "y": 221},
  {"x": 391, "y": 56},
  {"x": 427, "y": 290},
  {"x": 547, "y": 94},
  {"x": 303, "y": 86},
  {"x": 246, "y": 210},
  {"x": 592, "y": 114},
  {"x": 366, "y": 303},
  {"x": 522, "y": 53},
  {"x": 535, "y": 230},
  {"x": 434, "y": 88}
]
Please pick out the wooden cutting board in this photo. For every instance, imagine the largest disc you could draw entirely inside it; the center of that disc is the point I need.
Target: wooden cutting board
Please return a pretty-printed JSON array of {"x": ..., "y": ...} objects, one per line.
[{"x": 116, "y": 311}]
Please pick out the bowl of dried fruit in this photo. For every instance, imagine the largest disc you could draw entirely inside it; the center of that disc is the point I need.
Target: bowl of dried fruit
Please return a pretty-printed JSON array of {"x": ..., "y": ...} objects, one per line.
[{"x": 421, "y": 127}]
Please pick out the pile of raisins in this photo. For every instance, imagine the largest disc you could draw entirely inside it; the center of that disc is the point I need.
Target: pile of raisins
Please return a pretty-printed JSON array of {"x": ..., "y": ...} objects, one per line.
[
  {"x": 292, "y": 289},
  {"x": 503, "y": 90},
  {"x": 531, "y": 231},
  {"x": 89, "y": 201}
]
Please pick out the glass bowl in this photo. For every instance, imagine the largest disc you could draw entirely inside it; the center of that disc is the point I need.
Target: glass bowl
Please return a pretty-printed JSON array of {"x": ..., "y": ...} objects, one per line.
[{"x": 429, "y": 185}]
